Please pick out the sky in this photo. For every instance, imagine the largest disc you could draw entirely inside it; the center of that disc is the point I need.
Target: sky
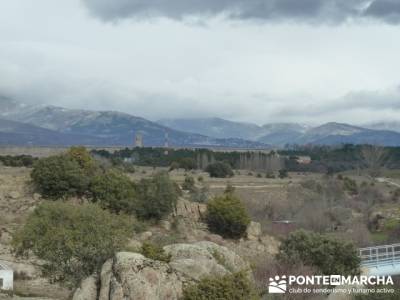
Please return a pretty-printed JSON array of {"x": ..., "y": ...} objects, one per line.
[{"x": 260, "y": 61}]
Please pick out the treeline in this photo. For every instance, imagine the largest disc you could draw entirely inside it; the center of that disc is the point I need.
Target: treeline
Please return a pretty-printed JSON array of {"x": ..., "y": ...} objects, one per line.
[
  {"x": 329, "y": 159},
  {"x": 193, "y": 158},
  {"x": 17, "y": 161}
]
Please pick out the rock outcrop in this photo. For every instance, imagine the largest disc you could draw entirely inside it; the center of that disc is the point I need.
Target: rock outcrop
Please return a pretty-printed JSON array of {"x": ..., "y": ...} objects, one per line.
[
  {"x": 133, "y": 276},
  {"x": 87, "y": 290}
]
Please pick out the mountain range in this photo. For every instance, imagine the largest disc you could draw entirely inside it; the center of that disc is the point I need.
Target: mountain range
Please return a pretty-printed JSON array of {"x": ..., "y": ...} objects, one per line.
[
  {"x": 22, "y": 124},
  {"x": 280, "y": 134}
]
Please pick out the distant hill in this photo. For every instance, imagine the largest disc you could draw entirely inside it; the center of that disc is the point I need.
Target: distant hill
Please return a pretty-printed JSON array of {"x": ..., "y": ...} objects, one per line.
[
  {"x": 274, "y": 133},
  {"x": 279, "y": 134},
  {"x": 51, "y": 125},
  {"x": 109, "y": 127},
  {"x": 215, "y": 127},
  {"x": 338, "y": 133},
  {"x": 391, "y": 126},
  {"x": 20, "y": 134}
]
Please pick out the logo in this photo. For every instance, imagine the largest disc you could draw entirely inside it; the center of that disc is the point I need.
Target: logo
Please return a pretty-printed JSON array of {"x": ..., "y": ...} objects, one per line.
[
  {"x": 277, "y": 285},
  {"x": 331, "y": 283}
]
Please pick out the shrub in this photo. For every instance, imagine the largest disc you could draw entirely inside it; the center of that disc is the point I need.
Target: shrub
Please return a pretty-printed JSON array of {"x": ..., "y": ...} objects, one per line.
[
  {"x": 229, "y": 189},
  {"x": 200, "y": 195},
  {"x": 82, "y": 157},
  {"x": 189, "y": 184},
  {"x": 233, "y": 287},
  {"x": 283, "y": 174},
  {"x": 219, "y": 170},
  {"x": 18, "y": 160},
  {"x": 155, "y": 252},
  {"x": 114, "y": 191},
  {"x": 174, "y": 165},
  {"x": 73, "y": 240},
  {"x": 59, "y": 176},
  {"x": 270, "y": 175},
  {"x": 350, "y": 185},
  {"x": 187, "y": 164},
  {"x": 329, "y": 255},
  {"x": 157, "y": 197},
  {"x": 227, "y": 216}
]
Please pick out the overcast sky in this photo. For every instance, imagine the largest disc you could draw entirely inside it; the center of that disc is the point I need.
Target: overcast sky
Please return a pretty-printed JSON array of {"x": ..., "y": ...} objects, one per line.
[{"x": 260, "y": 61}]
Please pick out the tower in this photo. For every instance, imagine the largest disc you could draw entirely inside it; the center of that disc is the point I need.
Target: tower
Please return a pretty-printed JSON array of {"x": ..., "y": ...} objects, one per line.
[
  {"x": 166, "y": 142},
  {"x": 139, "y": 140}
]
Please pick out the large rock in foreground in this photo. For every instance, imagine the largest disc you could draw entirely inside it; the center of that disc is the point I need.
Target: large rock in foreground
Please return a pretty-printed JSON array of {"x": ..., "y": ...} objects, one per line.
[{"x": 131, "y": 276}]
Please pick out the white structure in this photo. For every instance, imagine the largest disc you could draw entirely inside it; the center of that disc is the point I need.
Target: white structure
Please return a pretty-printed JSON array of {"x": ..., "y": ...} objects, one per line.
[
  {"x": 6, "y": 277},
  {"x": 139, "y": 140}
]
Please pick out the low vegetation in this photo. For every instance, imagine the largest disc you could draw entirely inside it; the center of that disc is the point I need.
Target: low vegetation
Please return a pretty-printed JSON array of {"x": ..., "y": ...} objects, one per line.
[
  {"x": 227, "y": 216},
  {"x": 219, "y": 170},
  {"x": 155, "y": 252},
  {"x": 157, "y": 197},
  {"x": 60, "y": 177},
  {"x": 73, "y": 240},
  {"x": 18, "y": 160},
  {"x": 328, "y": 255},
  {"x": 114, "y": 191},
  {"x": 235, "y": 286}
]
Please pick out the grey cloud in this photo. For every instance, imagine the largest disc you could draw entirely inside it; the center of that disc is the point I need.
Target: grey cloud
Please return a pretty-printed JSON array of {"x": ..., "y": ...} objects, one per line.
[
  {"x": 307, "y": 10},
  {"x": 388, "y": 10}
]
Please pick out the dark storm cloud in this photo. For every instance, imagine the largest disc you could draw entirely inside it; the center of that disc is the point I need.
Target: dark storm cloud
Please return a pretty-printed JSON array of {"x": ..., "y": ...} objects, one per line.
[
  {"x": 306, "y": 10},
  {"x": 388, "y": 10}
]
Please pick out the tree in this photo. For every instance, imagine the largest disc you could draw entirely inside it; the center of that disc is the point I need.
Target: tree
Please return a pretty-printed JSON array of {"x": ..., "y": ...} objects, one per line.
[
  {"x": 189, "y": 184},
  {"x": 374, "y": 157},
  {"x": 187, "y": 163},
  {"x": 235, "y": 286},
  {"x": 157, "y": 197},
  {"x": 114, "y": 191},
  {"x": 74, "y": 241},
  {"x": 329, "y": 255},
  {"x": 59, "y": 177},
  {"x": 219, "y": 170},
  {"x": 82, "y": 157},
  {"x": 227, "y": 216}
]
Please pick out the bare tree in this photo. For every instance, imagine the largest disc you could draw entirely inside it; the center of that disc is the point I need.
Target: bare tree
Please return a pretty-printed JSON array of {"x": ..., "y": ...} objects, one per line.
[{"x": 374, "y": 156}]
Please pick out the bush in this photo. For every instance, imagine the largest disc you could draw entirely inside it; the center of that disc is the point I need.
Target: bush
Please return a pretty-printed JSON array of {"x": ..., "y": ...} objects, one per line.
[
  {"x": 18, "y": 160},
  {"x": 229, "y": 189},
  {"x": 227, "y": 216},
  {"x": 114, "y": 191},
  {"x": 74, "y": 241},
  {"x": 174, "y": 166},
  {"x": 329, "y": 255},
  {"x": 189, "y": 184},
  {"x": 200, "y": 195},
  {"x": 157, "y": 197},
  {"x": 59, "y": 177},
  {"x": 187, "y": 164},
  {"x": 270, "y": 175},
  {"x": 283, "y": 174},
  {"x": 155, "y": 252},
  {"x": 82, "y": 157},
  {"x": 233, "y": 287},
  {"x": 219, "y": 170},
  {"x": 350, "y": 185}
]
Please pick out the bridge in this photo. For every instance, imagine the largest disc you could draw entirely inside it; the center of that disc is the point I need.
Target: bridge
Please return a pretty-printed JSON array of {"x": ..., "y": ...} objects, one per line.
[{"x": 381, "y": 260}]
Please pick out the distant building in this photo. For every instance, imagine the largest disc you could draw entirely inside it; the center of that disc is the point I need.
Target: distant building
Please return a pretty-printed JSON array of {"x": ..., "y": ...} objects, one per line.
[
  {"x": 6, "y": 277},
  {"x": 304, "y": 160},
  {"x": 139, "y": 140},
  {"x": 166, "y": 143}
]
